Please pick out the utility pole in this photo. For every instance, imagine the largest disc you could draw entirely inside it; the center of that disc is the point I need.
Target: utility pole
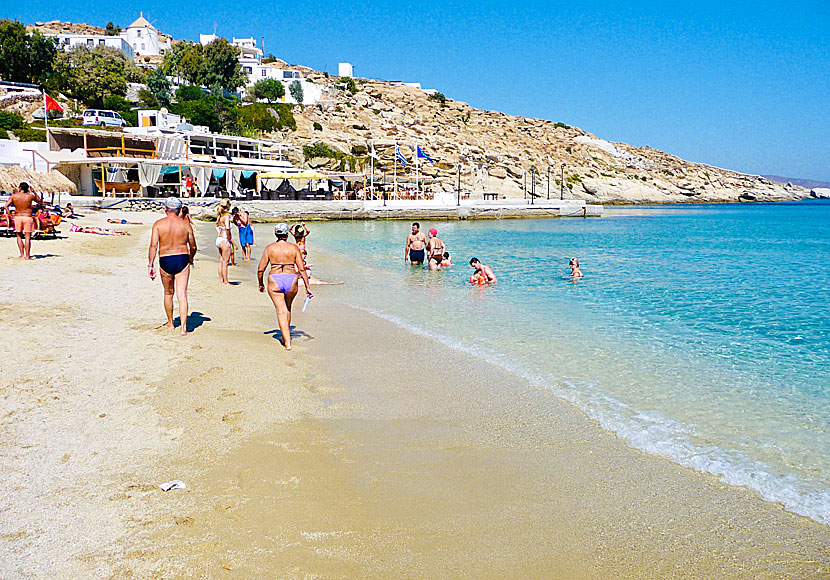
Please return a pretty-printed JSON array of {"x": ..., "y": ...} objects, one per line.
[{"x": 562, "y": 184}]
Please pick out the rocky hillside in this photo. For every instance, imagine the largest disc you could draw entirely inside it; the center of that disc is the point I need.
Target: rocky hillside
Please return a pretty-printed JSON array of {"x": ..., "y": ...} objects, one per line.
[{"x": 497, "y": 151}]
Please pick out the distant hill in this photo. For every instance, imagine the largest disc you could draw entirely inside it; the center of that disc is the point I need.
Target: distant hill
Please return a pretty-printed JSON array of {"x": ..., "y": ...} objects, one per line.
[{"x": 808, "y": 183}]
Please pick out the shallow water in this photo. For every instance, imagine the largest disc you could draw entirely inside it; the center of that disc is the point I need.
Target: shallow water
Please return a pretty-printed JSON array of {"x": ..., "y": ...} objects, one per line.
[{"x": 699, "y": 333}]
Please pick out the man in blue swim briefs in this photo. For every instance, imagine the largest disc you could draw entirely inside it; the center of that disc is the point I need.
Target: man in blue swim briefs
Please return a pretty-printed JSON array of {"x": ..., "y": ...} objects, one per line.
[
  {"x": 416, "y": 242},
  {"x": 173, "y": 240}
]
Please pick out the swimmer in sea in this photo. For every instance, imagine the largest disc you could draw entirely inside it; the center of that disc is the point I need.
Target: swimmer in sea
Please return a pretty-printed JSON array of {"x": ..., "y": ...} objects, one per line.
[
  {"x": 483, "y": 273},
  {"x": 415, "y": 249},
  {"x": 447, "y": 260},
  {"x": 286, "y": 262},
  {"x": 173, "y": 240},
  {"x": 575, "y": 271}
]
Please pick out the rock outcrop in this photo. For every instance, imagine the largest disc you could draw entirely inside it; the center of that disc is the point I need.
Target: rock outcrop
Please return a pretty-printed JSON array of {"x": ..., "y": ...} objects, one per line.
[{"x": 501, "y": 153}]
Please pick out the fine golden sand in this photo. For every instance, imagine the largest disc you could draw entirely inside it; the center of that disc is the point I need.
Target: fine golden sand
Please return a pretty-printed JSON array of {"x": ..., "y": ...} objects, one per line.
[{"x": 347, "y": 458}]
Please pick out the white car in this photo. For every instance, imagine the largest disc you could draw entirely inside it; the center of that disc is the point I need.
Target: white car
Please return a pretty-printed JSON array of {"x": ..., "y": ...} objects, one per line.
[{"x": 103, "y": 117}]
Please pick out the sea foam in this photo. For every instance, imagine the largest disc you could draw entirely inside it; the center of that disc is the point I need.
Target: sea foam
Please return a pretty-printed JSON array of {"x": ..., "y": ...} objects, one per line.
[{"x": 651, "y": 431}]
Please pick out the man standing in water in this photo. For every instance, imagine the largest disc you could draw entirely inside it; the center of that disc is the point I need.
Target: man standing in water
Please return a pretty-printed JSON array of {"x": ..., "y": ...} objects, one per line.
[
  {"x": 24, "y": 223},
  {"x": 482, "y": 272},
  {"x": 173, "y": 240},
  {"x": 415, "y": 246}
]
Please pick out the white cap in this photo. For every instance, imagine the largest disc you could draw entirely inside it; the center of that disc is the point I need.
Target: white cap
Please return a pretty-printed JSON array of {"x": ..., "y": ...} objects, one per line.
[
  {"x": 173, "y": 203},
  {"x": 281, "y": 229}
]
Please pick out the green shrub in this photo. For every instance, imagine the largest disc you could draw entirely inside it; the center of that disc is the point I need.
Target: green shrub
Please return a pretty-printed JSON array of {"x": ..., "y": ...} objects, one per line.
[
  {"x": 320, "y": 149},
  {"x": 29, "y": 134},
  {"x": 317, "y": 126},
  {"x": 199, "y": 112},
  {"x": 350, "y": 86},
  {"x": 561, "y": 126},
  {"x": 190, "y": 93},
  {"x": 296, "y": 90},
  {"x": 568, "y": 149},
  {"x": 257, "y": 117},
  {"x": 9, "y": 120},
  {"x": 438, "y": 97},
  {"x": 4, "y": 134},
  {"x": 376, "y": 111}
]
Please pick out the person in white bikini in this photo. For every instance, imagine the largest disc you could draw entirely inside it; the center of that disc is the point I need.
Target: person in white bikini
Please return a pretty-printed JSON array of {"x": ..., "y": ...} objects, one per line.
[{"x": 223, "y": 239}]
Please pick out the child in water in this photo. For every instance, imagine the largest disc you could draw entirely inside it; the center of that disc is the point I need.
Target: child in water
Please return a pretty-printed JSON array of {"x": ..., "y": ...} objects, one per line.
[
  {"x": 447, "y": 261},
  {"x": 575, "y": 271}
]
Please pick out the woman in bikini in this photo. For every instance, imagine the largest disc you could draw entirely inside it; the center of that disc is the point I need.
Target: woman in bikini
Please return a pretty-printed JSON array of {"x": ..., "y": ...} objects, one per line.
[
  {"x": 223, "y": 239},
  {"x": 436, "y": 250},
  {"x": 286, "y": 262}
]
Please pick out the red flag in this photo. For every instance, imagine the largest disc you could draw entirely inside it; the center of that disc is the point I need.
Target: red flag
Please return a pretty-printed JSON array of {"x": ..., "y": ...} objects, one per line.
[{"x": 52, "y": 104}]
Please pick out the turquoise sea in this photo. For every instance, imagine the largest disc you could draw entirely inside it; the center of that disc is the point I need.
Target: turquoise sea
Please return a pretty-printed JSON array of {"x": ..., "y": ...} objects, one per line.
[{"x": 699, "y": 333}]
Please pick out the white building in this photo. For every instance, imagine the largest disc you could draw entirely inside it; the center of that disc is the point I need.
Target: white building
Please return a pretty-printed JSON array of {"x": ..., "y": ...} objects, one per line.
[
  {"x": 68, "y": 40},
  {"x": 145, "y": 38},
  {"x": 345, "y": 69}
]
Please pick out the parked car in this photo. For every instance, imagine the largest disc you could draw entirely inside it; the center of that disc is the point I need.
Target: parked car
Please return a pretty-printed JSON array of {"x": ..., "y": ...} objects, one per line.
[{"x": 103, "y": 118}]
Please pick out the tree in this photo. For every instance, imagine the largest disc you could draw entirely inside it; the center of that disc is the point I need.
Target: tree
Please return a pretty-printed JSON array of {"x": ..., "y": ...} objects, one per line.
[
  {"x": 271, "y": 90},
  {"x": 158, "y": 84},
  {"x": 296, "y": 90},
  {"x": 221, "y": 65},
  {"x": 202, "y": 112},
  {"x": 90, "y": 75},
  {"x": 147, "y": 99},
  {"x": 190, "y": 93},
  {"x": 112, "y": 30},
  {"x": 24, "y": 58},
  {"x": 216, "y": 62}
]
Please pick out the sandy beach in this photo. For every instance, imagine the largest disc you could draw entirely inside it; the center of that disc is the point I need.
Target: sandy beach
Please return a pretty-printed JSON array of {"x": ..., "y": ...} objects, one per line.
[{"x": 346, "y": 458}]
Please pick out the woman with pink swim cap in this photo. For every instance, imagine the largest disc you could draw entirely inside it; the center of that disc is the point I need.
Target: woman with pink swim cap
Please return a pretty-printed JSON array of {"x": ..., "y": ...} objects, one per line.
[{"x": 435, "y": 248}]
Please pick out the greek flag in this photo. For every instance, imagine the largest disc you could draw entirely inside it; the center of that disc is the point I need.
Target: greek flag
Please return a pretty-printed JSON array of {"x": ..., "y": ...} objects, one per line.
[
  {"x": 422, "y": 155},
  {"x": 399, "y": 156}
]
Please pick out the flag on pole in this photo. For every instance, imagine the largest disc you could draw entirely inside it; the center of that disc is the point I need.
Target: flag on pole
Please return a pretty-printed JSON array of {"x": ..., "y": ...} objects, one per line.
[
  {"x": 400, "y": 156},
  {"x": 422, "y": 155},
  {"x": 52, "y": 104}
]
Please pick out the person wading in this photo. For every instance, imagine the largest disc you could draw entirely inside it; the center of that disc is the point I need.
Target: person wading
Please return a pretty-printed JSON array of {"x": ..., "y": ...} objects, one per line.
[{"x": 416, "y": 242}]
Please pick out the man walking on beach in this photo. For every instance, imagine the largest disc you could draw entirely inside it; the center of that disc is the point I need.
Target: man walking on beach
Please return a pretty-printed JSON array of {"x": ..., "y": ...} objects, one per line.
[
  {"x": 24, "y": 223},
  {"x": 482, "y": 272},
  {"x": 415, "y": 246},
  {"x": 173, "y": 240}
]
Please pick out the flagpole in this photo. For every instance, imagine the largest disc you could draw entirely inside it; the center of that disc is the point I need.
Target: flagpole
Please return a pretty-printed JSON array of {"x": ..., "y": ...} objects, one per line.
[
  {"x": 417, "y": 168},
  {"x": 372, "y": 170},
  {"x": 396, "y": 170},
  {"x": 45, "y": 115}
]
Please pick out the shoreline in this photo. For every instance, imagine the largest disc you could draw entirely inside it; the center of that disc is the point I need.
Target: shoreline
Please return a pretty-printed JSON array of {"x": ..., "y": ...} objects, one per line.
[{"x": 324, "y": 461}]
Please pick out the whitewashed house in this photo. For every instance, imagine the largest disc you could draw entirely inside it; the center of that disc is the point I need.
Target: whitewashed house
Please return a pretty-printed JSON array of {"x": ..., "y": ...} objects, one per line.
[{"x": 67, "y": 40}]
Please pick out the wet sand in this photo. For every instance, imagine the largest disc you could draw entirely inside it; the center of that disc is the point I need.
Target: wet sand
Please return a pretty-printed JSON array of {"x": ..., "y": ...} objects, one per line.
[{"x": 367, "y": 452}]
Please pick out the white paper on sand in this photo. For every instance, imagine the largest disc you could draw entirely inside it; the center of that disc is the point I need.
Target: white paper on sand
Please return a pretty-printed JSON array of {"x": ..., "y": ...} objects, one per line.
[{"x": 175, "y": 484}]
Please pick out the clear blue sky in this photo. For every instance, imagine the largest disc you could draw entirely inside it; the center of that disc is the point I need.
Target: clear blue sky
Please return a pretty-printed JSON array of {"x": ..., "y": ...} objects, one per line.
[{"x": 741, "y": 85}]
